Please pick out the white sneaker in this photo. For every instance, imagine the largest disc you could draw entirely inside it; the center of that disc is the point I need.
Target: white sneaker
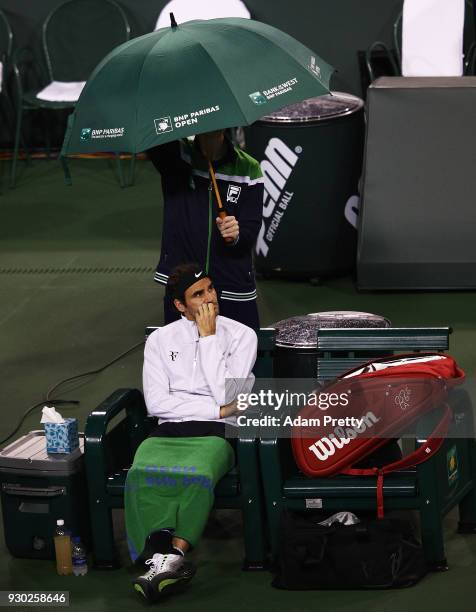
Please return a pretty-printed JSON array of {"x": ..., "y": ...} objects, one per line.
[
  {"x": 166, "y": 571},
  {"x": 163, "y": 563}
]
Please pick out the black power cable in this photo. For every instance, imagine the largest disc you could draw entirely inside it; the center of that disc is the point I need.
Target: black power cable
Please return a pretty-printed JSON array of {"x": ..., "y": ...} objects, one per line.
[
  {"x": 91, "y": 372},
  {"x": 62, "y": 402}
]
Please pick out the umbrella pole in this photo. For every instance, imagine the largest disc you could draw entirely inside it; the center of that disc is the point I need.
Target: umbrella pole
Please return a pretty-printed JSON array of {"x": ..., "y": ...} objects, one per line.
[{"x": 222, "y": 211}]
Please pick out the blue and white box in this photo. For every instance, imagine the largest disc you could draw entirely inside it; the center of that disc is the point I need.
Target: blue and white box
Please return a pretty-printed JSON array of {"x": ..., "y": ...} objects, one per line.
[{"x": 62, "y": 437}]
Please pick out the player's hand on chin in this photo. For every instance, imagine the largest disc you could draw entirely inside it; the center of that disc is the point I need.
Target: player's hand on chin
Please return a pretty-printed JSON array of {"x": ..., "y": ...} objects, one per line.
[{"x": 206, "y": 319}]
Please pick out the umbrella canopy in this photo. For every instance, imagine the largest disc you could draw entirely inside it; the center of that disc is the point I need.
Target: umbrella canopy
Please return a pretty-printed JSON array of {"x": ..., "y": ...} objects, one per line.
[{"x": 189, "y": 79}]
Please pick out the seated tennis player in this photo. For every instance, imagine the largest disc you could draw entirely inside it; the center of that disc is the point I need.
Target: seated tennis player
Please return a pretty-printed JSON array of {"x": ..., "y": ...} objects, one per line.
[{"x": 194, "y": 369}]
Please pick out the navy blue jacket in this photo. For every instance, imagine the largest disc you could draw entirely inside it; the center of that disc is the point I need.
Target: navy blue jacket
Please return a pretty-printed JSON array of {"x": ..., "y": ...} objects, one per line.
[{"x": 190, "y": 210}]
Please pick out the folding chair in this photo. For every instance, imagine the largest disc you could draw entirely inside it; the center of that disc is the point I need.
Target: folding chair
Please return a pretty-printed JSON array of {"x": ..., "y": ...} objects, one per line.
[
  {"x": 6, "y": 46},
  {"x": 76, "y": 36},
  {"x": 378, "y": 50}
]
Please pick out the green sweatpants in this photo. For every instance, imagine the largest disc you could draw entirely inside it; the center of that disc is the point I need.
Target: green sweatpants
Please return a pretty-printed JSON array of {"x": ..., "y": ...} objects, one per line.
[{"x": 171, "y": 486}]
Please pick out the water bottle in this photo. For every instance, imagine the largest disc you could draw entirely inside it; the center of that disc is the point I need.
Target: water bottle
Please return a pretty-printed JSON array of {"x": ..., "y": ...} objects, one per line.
[
  {"x": 78, "y": 554},
  {"x": 62, "y": 542}
]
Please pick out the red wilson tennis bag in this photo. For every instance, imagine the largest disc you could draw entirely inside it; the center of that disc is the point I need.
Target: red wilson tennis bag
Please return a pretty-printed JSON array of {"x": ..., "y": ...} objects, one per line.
[{"x": 369, "y": 405}]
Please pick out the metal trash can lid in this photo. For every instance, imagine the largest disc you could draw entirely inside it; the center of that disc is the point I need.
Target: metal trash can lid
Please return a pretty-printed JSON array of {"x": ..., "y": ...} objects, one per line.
[
  {"x": 28, "y": 455},
  {"x": 301, "y": 331},
  {"x": 330, "y": 106}
]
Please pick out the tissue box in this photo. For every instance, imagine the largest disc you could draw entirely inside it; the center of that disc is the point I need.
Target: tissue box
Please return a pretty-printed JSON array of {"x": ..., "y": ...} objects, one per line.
[{"x": 62, "y": 437}]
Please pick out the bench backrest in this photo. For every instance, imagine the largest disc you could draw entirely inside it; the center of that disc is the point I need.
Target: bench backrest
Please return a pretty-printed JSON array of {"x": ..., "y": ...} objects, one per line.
[{"x": 341, "y": 349}]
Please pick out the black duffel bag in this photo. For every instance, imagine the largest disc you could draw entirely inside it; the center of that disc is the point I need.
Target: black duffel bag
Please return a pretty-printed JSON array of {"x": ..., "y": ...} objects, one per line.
[{"x": 371, "y": 554}]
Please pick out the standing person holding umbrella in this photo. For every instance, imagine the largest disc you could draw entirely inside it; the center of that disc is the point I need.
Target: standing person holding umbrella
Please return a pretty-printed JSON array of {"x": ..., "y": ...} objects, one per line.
[
  {"x": 200, "y": 77},
  {"x": 213, "y": 200}
]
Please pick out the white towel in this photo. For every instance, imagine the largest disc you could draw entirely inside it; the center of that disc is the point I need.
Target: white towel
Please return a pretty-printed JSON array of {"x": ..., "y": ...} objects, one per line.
[
  {"x": 60, "y": 91},
  {"x": 432, "y": 37},
  {"x": 187, "y": 10}
]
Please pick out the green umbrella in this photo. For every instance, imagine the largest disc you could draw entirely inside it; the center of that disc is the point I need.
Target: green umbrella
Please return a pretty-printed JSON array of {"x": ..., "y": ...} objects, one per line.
[{"x": 189, "y": 79}]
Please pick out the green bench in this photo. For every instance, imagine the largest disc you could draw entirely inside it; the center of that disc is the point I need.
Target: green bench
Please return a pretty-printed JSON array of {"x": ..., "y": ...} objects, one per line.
[
  {"x": 113, "y": 432},
  {"x": 427, "y": 488}
]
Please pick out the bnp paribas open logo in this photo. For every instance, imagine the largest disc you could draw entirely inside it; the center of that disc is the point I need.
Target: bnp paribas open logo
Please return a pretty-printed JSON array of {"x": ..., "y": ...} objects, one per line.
[
  {"x": 163, "y": 125},
  {"x": 86, "y": 133},
  {"x": 258, "y": 98}
]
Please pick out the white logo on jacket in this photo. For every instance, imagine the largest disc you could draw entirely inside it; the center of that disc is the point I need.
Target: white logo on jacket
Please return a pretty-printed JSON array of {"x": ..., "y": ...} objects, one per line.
[{"x": 233, "y": 193}]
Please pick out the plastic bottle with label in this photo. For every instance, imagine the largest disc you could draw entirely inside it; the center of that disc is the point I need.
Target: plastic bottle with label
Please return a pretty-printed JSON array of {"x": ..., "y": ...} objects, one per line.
[
  {"x": 62, "y": 540},
  {"x": 80, "y": 562}
]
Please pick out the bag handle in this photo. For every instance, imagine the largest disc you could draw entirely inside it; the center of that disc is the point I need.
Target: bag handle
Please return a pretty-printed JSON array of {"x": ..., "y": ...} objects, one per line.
[
  {"x": 422, "y": 454},
  {"x": 459, "y": 372}
]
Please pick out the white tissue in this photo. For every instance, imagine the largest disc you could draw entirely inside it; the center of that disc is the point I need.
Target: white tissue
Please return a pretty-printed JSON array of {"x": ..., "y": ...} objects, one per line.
[{"x": 50, "y": 415}]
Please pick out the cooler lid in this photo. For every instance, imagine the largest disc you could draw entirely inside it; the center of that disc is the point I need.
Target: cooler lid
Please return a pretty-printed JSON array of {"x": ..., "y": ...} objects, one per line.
[
  {"x": 330, "y": 106},
  {"x": 28, "y": 454},
  {"x": 301, "y": 331}
]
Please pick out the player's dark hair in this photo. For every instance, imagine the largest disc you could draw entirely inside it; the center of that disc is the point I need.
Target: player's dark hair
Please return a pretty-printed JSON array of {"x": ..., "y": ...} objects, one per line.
[{"x": 181, "y": 278}]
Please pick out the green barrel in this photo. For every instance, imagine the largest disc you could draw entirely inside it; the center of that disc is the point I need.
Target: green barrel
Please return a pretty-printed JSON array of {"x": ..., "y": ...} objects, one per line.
[
  {"x": 296, "y": 354},
  {"x": 311, "y": 157}
]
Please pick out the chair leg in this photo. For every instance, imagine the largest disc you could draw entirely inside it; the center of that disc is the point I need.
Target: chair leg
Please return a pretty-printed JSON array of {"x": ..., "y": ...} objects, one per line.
[
  {"x": 432, "y": 537},
  {"x": 47, "y": 125},
  {"x": 8, "y": 112},
  {"x": 16, "y": 148},
  {"x": 2, "y": 172},
  {"x": 254, "y": 536},
  {"x": 120, "y": 171},
  {"x": 254, "y": 533},
  {"x": 430, "y": 512},
  {"x": 252, "y": 506},
  {"x": 467, "y": 506},
  {"x": 272, "y": 479},
  {"x": 467, "y": 513},
  {"x": 104, "y": 550},
  {"x": 26, "y": 152},
  {"x": 274, "y": 514},
  {"x": 132, "y": 171}
]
